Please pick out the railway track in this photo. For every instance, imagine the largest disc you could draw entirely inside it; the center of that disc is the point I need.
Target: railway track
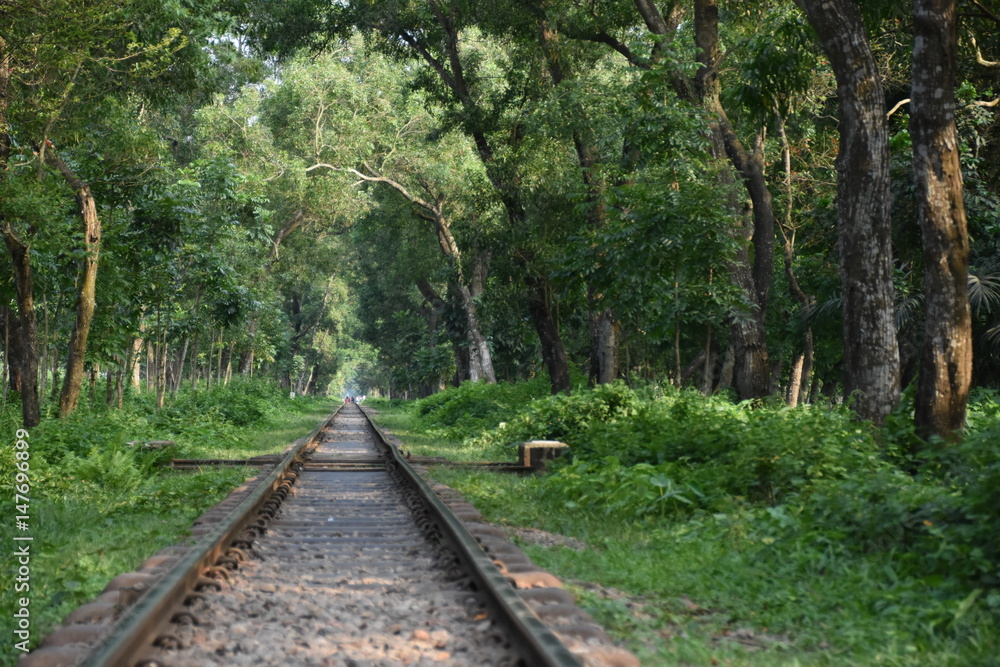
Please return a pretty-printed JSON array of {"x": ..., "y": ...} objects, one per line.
[{"x": 342, "y": 555}]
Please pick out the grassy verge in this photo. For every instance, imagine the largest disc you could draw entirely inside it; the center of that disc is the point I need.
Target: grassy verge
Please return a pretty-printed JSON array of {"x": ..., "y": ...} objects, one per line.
[
  {"x": 100, "y": 507},
  {"x": 796, "y": 541}
]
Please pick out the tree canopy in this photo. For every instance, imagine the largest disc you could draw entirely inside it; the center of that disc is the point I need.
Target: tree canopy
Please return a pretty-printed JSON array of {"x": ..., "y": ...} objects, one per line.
[{"x": 390, "y": 197}]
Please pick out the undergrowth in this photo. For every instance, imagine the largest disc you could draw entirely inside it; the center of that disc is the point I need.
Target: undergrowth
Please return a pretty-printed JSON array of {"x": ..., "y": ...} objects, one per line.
[{"x": 803, "y": 529}]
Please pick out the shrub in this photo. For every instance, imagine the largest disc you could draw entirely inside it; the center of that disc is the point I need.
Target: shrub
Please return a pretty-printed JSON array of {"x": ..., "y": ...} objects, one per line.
[
  {"x": 756, "y": 453},
  {"x": 476, "y": 406},
  {"x": 633, "y": 492},
  {"x": 244, "y": 402},
  {"x": 565, "y": 417}
]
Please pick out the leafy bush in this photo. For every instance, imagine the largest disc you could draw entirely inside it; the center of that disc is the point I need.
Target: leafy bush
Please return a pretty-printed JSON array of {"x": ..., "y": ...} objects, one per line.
[
  {"x": 565, "y": 417},
  {"x": 634, "y": 492},
  {"x": 964, "y": 539},
  {"x": 112, "y": 469},
  {"x": 682, "y": 425},
  {"x": 245, "y": 402},
  {"x": 475, "y": 406},
  {"x": 761, "y": 454}
]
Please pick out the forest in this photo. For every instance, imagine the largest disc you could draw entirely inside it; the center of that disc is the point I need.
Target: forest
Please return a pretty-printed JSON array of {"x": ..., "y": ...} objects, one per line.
[
  {"x": 404, "y": 196},
  {"x": 602, "y": 220}
]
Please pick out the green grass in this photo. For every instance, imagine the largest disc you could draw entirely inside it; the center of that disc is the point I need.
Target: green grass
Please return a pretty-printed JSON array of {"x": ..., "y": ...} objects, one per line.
[
  {"x": 717, "y": 534},
  {"x": 398, "y": 418},
  {"x": 80, "y": 545},
  {"x": 100, "y": 507},
  {"x": 704, "y": 592}
]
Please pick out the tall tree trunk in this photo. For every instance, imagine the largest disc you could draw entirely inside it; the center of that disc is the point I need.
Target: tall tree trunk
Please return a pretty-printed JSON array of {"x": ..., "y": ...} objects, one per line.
[
  {"x": 25, "y": 363},
  {"x": 751, "y": 370},
  {"x": 55, "y": 378},
  {"x": 16, "y": 353},
  {"x": 777, "y": 367},
  {"x": 728, "y": 363},
  {"x": 946, "y": 357},
  {"x": 161, "y": 366},
  {"x": 109, "y": 388},
  {"x": 151, "y": 372},
  {"x": 871, "y": 352},
  {"x": 132, "y": 365},
  {"x": 220, "y": 378},
  {"x": 795, "y": 380},
  {"x": 44, "y": 350},
  {"x": 120, "y": 388},
  {"x": 480, "y": 360},
  {"x": 553, "y": 352},
  {"x": 86, "y": 293},
  {"x": 209, "y": 365},
  {"x": 229, "y": 364},
  {"x": 802, "y": 369},
  {"x": 310, "y": 388},
  {"x": 194, "y": 354},
  {"x": 194, "y": 363},
  {"x": 24, "y": 378},
  {"x": 706, "y": 380},
  {"x": 604, "y": 328},
  {"x": 605, "y": 341},
  {"x": 748, "y": 335},
  {"x": 6, "y": 351}
]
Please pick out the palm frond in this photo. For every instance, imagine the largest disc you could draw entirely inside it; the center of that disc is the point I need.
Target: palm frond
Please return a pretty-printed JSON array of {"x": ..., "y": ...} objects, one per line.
[
  {"x": 992, "y": 335},
  {"x": 984, "y": 290},
  {"x": 906, "y": 308},
  {"x": 822, "y": 312}
]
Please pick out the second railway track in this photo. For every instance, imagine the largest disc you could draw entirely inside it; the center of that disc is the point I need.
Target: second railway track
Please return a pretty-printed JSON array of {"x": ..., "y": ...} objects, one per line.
[{"x": 344, "y": 556}]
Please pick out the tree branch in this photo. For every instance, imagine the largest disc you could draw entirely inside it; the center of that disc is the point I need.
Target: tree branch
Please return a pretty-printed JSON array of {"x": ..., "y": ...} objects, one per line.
[
  {"x": 979, "y": 55},
  {"x": 399, "y": 187},
  {"x": 293, "y": 223},
  {"x": 600, "y": 36},
  {"x": 987, "y": 12},
  {"x": 896, "y": 108}
]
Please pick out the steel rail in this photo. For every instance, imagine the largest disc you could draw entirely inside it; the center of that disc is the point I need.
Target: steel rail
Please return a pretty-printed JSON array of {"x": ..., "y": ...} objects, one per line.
[
  {"x": 538, "y": 644},
  {"x": 132, "y": 635}
]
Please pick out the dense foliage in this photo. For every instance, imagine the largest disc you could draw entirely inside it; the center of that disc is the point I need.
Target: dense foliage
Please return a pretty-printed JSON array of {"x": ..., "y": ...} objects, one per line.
[
  {"x": 390, "y": 198},
  {"x": 810, "y": 493}
]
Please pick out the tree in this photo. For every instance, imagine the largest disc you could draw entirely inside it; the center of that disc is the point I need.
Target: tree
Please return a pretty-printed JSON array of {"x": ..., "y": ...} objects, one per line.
[
  {"x": 752, "y": 271},
  {"x": 435, "y": 34},
  {"x": 352, "y": 115},
  {"x": 946, "y": 358},
  {"x": 60, "y": 59},
  {"x": 871, "y": 353},
  {"x": 751, "y": 376},
  {"x": 86, "y": 292}
]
